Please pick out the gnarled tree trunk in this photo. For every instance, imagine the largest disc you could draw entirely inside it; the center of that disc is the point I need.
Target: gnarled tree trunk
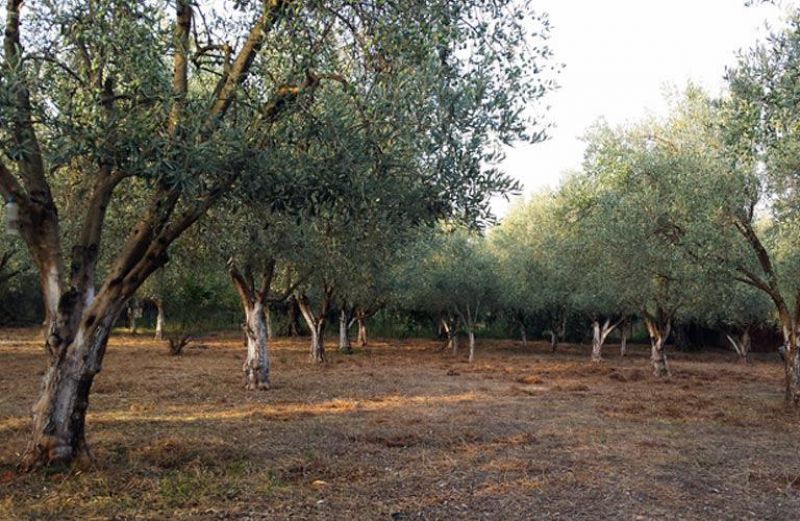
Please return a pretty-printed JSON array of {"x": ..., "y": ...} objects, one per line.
[
  {"x": 256, "y": 366},
  {"x": 316, "y": 323},
  {"x": 659, "y": 332}
]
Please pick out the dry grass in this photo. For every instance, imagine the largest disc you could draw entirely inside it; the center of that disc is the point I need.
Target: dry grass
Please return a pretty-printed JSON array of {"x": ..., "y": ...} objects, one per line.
[{"x": 403, "y": 431}]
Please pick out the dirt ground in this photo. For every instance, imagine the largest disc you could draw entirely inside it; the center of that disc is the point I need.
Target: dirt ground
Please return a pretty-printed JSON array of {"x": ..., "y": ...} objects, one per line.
[{"x": 404, "y": 431}]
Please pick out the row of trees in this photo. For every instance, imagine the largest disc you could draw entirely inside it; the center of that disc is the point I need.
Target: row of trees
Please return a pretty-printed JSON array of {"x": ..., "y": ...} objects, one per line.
[{"x": 334, "y": 123}]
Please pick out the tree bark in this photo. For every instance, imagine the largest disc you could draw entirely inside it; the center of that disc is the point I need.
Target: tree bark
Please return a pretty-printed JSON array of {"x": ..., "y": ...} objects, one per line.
[
  {"x": 59, "y": 416},
  {"x": 362, "y": 331},
  {"x": 344, "y": 336},
  {"x": 553, "y": 341},
  {"x": 659, "y": 332},
  {"x": 256, "y": 366},
  {"x": 471, "y": 335},
  {"x": 523, "y": 334},
  {"x": 316, "y": 324},
  {"x": 159, "y": 319}
]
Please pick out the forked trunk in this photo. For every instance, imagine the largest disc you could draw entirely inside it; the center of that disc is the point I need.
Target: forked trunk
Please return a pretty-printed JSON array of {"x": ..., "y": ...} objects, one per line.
[
  {"x": 256, "y": 366},
  {"x": 59, "y": 415},
  {"x": 316, "y": 324},
  {"x": 344, "y": 336},
  {"x": 159, "y": 319},
  {"x": 599, "y": 335},
  {"x": 471, "y": 335},
  {"x": 741, "y": 345}
]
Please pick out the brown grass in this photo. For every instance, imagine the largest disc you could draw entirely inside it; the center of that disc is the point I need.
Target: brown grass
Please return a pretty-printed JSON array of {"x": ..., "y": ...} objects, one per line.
[{"x": 404, "y": 431}]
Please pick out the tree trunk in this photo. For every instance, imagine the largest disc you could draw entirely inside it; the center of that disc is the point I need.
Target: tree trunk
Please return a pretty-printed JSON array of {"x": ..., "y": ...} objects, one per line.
[
  {"x": 623, "y": 343},
  {"x": 471, "y": 335},
  {"x": 317, "y": 342},
  {"x": 553, "y": 341},
  {"x": 132, "y": 318},
  {"x": 523, "y": 334},
  {"x": 268, "y": 320},
  {"x": 362, "y": 332},
  {"x": 292, "y": 328},
  {"x": 741, "y": 345},
  {"x": 597, "y": 344},
  {"x": 159, "y": 319},
  {"x": 599, "y": 335},
  {"x": 59, "y": 416},
  {"x": 256, "y": 366},
  {"x": 658, "y": 338},
  {"x": 344, "y": 337}
]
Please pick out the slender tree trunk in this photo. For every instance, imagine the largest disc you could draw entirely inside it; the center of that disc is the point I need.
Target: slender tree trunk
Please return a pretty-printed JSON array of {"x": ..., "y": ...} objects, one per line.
[
  {"x": 362, "y": 332},
  {"x": 623, "y": 343},
  {"x": 257, "y": 364},
  {"x": 132, "y": 308},
  {"x": 553, "y": 341},
  {"x": 268, "y": 320},
  {"x": 523, "y": 334},
  {"x": 344, "y": 337},
  {"x": 293, "y": 328},
  {"x": 597, "y": 344},
  {"x": 159, "y": 319},
  {"x": 471, "y": 335},
  {"x": 317, "y": 327}
]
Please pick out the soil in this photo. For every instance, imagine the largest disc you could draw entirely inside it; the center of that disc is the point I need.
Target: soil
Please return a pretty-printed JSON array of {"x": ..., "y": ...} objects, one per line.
[{"x": 404, "y": 430}]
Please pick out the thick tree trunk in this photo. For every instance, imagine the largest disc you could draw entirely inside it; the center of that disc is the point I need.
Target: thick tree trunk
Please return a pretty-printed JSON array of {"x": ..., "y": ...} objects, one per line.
[
  {"x": 59, "y": 415},
  {"x": 159, "y": 319},
  {"x": 471, "y": 335},
  {"x": 344, "y": 337},
  {"x": 256, "y": 366}
]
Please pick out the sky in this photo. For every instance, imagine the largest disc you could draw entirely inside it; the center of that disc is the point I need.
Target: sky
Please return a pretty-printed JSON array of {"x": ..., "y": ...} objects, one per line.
[{"x": 619, "y": 56}]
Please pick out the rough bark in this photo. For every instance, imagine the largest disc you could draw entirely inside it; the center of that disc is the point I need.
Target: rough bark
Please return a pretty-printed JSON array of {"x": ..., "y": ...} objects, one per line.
[
  {"x": 256, "y": 366},
  {"x": 553, "y": 341},
  {"x": 59, "y": 415},
  {"x": 316, "y": 322}
]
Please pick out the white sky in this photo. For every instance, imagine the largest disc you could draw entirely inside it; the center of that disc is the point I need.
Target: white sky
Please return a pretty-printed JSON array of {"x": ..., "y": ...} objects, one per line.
[{"x": 619, "y": 55}]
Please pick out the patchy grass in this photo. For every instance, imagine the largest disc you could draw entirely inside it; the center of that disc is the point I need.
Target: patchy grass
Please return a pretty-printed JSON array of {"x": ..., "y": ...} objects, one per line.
[{"x": 403, "y": 430}]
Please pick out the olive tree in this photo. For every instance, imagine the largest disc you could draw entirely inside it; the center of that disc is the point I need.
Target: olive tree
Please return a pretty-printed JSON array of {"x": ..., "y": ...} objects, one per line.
[{"x": 175, "y": 108}]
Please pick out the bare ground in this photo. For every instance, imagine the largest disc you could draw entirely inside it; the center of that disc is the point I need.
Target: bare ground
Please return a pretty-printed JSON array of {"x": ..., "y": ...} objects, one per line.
[{"x": 404, "y": 431}]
